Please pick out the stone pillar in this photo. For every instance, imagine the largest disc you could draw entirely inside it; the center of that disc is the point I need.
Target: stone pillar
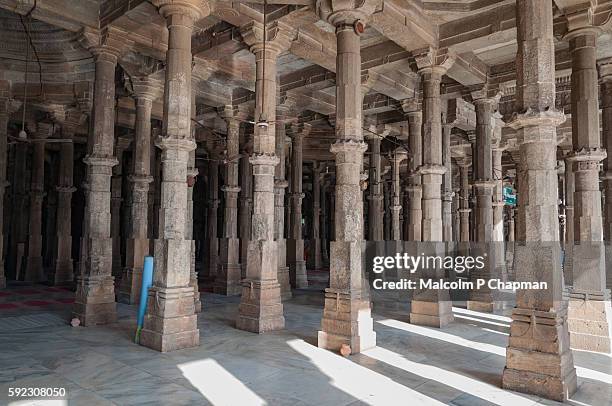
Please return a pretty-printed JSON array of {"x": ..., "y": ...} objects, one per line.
[
  {"x": 606, "y": 117},
  {"x": 511, "y": 225},
  {"x": 228, "y": 277},
  {"x": 95, "y": 295},
  {"x": 34, "y": 271},
  {"x": 64, "y": 272},
  {"x": 315, "y": 244},
  {"x": 498, "y": 212},
  {"x": 464, "y": 202},
  {"x": 116, "y": 200},
  {"x": 396, "y": 159},
  {"x": 375, "y": 190},
  {"x": 4, "y": 119},
  {"x": 414, "y": 189},
  {"x": 295, "y": 244},
  {"x": 280, "y": 184},
  {"x": 456, "y": 214},
  {"x": 569, "y": 213},
  {"x": 212, "y": 222},
  {"x": 538, "y": 357},
  {"x": 484, "y": 299},
  {"x": 432, "y": 307},
  {"x": 347, "y": 315},
  {"x": 146, "y": 90},
  {"x": 246, "y": 201},
  {"x": 171, "y": 322},
  {"x": 589, "y": 304},
  {"x": 447, "y": 185},
  {"x": 324, "y": 221},
  {"x": 260, "y": 307}
]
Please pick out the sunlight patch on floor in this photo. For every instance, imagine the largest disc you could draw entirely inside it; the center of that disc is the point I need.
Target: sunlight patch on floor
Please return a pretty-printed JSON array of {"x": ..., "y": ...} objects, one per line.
[
  {"x": 218, "y": 385},
  {"x": 360, "y": 382}
]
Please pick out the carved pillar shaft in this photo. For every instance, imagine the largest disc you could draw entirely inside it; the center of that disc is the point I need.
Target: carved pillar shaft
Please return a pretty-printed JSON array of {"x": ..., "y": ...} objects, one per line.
[
  {"x": 375, "y": 189},
  {"x": 447, "y": 186},
  {"x": 315, "y": 245},
  {"x": 4, "y": 119},
  {"x": 464, "y": 204},
  {"x": 280, "y": 184},
  {"x": 295, "y": 245},
  {"x": 414, "y": 189}
]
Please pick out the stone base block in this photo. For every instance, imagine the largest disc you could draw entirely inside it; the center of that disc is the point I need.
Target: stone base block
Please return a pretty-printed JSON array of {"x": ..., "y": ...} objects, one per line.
[
  {"x": 588, "y": 322},
  {"x": 170, "y": 323},
  {"x": 64, "y": 273},
  {"x": 285, "y": 284},
  {"x": 2, "y": 281},
  {"x": 94, "y": 301},
  {"x": 297, "y": 265},
  {"x": 431, "y": 314},
  {"x": 129, "y": 290},
  {"x": 538, "y": 358},
  {"x": 227, "y": 281},
  {"x": 484, "y": 306},
  {"x": 34, "y": 271},
  {"x": 346, "y": 320},
  {"x": 608, "y": 253}
]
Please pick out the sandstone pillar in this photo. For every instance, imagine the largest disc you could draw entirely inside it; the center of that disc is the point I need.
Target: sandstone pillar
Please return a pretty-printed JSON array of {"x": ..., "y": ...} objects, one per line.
[
  {"x": 606, "y": 117},
  {"x": 228, "y": 277},
  {"x": 260, "y": 307},
  {"x": 280, "y": 184},
  {"x": 4, "y": 119},
  {"x": 346, "y": 315},
  {"x": 447, "y": 185},
  {"x": 396, "y": 207},
  {"x": 95, "y": 295},
  {"x": 464, "y": 200},
  {"x": 324, "y": 221},
  {"x": 146, "y": 90},
  {"x": 246, "y": 201},
  {"x": 432, "y": 307},
  {"x": 212, "y": 222},
  {"x": 116, "y": 202},
  {"x": 315, "y": 243},
  {"x": 538, "y": 358},
  {"x": 295, "y": 244},
  {"x": 414, "y": 189},
  {"x": 34, "y": 271},
  {"x": 589, "y": 305},
  {"x": 64, "y": 272},
  {"x": 171, "y": 323},
  {"x": 375, "y": 190},
  {"x": 484, "y": 299}
]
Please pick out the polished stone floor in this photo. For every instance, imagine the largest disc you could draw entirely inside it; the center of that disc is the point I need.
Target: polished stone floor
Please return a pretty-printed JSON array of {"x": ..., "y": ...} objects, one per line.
[{"x": 460, "y": 365}]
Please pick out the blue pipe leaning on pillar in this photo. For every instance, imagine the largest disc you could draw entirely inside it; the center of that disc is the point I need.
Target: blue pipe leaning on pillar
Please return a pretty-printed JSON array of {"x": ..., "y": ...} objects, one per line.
[{"x": 147, "y": 281}]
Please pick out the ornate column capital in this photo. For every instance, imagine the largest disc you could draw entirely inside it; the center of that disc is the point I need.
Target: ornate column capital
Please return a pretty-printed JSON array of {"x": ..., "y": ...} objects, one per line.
[
  {"x": 434, "y": 60},
  {"x": 109, "y": 43},
  {"x": 300, "y": 130},
  {"x": 145, "y": 87},
  {"x": 195, "y": 9},
  {"x": 278, "y": 36},
  {"x": 343, "y": 12},
  {"x": 412, "y": 107}
]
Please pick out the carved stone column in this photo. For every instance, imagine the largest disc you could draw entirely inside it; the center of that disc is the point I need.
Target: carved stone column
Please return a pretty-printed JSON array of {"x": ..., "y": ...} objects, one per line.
[
  {"x": 295, "y": 244},
  {"x": 432, "y": 307},
  {"x": 324, "y": 221},
  {"x": 171, "y": 322},
  {"x": 146, "y": 90},
  {"x": 375, "y": 190},
  {"x": 414, "y": 189},
  {"x": 228, "y": 277},
  {"x": 538, "y": 357},
  {"x": 346, "y": 316},
  {"x": 464, "y": 202},
  {"x": 212, "y": 222},
  {"x": 315, "y": 244},
  {"x": 34, "y": 271},
  {"x": 396, "y": 159},
  {"x": 64, "y": 273},
  {"x": 260, "y": 307},
  {"x": 447, "y": 185},
  {"x": 589, "y": 304},
  {"x": 121, "y": 146},
  {"x": 95, "y": 295},
  {"x": 605, "y": 72},
  {"x": 484, "y": 299},
  {"x": 280, "y": 184},
  {"x": 246, "y": 201},
  {"x": 4, "y": 119},
  {"x": 498, "y": 211}
]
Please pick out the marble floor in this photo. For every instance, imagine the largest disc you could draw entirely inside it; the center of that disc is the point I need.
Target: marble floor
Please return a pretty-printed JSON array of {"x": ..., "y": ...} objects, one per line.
[{"x": 460, "y": 365}]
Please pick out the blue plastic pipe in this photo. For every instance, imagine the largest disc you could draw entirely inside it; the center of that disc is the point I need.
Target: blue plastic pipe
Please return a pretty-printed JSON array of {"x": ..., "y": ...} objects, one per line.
[{"x": 147, "y": 281}]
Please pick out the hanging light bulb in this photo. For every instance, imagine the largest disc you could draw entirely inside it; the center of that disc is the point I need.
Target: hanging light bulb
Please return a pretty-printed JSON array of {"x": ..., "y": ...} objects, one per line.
[{"x": 23, "y": 134}]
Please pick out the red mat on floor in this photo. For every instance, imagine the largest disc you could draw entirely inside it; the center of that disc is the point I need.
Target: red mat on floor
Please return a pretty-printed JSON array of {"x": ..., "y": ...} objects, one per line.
[
  {"x": 8, "y": 306},
  {"x": 36, "y": 303}
]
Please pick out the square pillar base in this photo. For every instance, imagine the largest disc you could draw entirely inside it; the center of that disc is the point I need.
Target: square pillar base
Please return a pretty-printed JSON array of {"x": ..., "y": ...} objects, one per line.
[
  {"x": 588, "y": 322},
  {"x": 348, "y": 321},
  {"x": 94, "y": 302},
  {"x": 431, "y": 314},
  {"x": 131, "y": 279},
  {"x": 170, "y": 323},
  {"x": 538, "y": 358},
  {"x": 297, "y": 265},
  {"x": 227, "y": 281},
  {"x": 34, "y": 271},
  {"x": 64, "y": 273}
]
